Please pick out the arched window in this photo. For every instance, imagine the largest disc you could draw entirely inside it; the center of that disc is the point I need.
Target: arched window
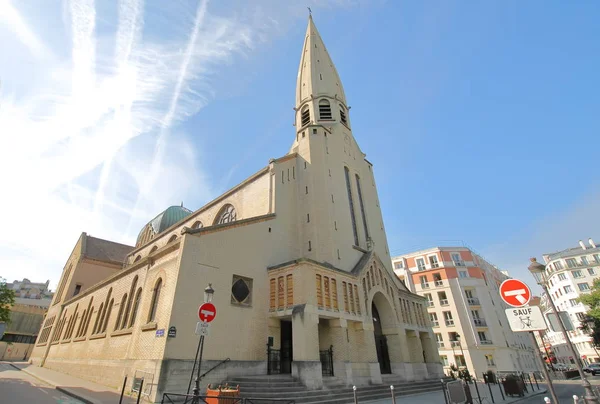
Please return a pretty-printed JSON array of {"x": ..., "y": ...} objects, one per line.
[
  {"x": 197, "y": 225},
  {"x": 305, "y": 116},
  {"x": 324, "y": 109},
  {"x": 136, "y": 306},
  {"x": 87, "y": 322},
  {"x": 127, "y": 309},
  {"x": 98, "y": 321},
  {"x": 121, "y": 309},
  {"x": 155, "y": 299},
  {"x": 81, "y": 324},
  {"x": 351, "y": 201},
  {"x": 139, "y": 257},
  {"x": 172, "y": 238},
  {"x": 107, "y": 317},
  {"x": 343, "y": 118},
  {"x": 101, "y": 323},
  {"x": 227, "y": 215},
  {"x": 63, "y": 281},
  {"x": 153, "y": 249}
]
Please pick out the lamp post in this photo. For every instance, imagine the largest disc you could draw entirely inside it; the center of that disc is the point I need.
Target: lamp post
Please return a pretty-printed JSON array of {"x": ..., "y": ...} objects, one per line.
[
  {"x": 462, "y": 352},
  {"x": 208, "y": 295},
  {"x": 539, "y": 273}
]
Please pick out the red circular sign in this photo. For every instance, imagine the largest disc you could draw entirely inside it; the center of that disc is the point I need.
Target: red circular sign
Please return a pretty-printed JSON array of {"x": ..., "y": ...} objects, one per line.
[
  {"x": 207, "y": 312},
  {"x": 515, "y": 293}
]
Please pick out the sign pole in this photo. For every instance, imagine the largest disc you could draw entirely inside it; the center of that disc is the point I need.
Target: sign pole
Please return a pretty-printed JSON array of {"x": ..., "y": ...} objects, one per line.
[
  {"x": 193, "y": 368},
  {"x": 544, "y": 368},
  {"x": 196, "y": 399}
]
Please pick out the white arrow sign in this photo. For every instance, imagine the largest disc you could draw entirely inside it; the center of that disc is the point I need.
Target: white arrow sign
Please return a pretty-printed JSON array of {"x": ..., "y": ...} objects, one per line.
[{"x": 518, "y": 294}]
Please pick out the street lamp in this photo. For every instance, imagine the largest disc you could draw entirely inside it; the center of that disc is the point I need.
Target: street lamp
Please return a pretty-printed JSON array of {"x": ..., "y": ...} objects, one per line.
[
  {"x": 539, "y": 273},
  {"x": 208, "y": 296}
]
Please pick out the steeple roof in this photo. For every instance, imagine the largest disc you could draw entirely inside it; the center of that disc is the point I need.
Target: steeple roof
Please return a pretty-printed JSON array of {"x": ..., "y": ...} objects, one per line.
[{"x": 317, "y": 75}]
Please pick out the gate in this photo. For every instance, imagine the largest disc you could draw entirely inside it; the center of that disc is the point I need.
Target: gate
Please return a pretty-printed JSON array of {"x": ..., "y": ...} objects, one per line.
[
  {"x": 327, "y": 361},
  {"x": 273, "y": 361}
]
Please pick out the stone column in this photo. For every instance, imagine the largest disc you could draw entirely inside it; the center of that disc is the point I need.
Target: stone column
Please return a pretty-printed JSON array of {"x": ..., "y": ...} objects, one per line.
[
  {"x": 432, "y": 355},
  {"x": 306, "y": 364},
  {"x": 363, "y": 355},
  {"x": 419, "y": 369},
  {"x": 399, "y": 351},
  {"x": 340, "y": 339}
]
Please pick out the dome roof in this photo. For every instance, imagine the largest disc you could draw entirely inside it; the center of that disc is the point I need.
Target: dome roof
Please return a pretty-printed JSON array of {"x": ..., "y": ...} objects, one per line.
[{"x": 164, "y": 220}]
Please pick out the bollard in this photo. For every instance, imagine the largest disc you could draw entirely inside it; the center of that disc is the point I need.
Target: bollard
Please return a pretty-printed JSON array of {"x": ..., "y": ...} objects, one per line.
[
  {"x": 500, "y": 388},
  {"x": 355, "y": 398},
  {"x": 575, "y": 399},
  {"x": 123, "y": 389},
  {"x": 393, "y": 395},
  {"x": 536, "y": 382},
  {"x": 547, "y": 400},
  {"x": 531, "y": 384},
  {"x": 477, "y": 390},
  {"x": 491, "y": 394},
  {"x": 140, "y": 391}
]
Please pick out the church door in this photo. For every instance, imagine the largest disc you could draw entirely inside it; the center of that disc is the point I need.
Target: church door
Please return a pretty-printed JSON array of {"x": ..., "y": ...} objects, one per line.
[
  {"x": 286, "y": 347},
  {"x": 383, "y": 355}
]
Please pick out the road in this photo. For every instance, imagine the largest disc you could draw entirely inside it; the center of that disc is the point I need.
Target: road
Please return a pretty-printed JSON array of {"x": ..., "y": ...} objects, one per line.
[
  {"x": 563, "y": 391},
  {"x": 18, "y": 387}
]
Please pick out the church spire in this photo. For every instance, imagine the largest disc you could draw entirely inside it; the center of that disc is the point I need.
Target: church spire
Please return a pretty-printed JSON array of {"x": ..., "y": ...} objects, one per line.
[{"x": 317, "y": 75}]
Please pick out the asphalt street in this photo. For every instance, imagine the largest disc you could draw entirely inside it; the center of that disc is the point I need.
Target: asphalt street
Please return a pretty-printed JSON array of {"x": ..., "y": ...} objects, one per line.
[
  {"x": 18, "y": 387},
  {"x": 564, "y": 392}
]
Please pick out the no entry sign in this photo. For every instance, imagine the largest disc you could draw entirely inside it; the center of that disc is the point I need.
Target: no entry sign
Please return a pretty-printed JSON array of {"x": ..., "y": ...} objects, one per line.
[
  {"x": 515, "y": 293},
  {"x": 207, "y": 312}
]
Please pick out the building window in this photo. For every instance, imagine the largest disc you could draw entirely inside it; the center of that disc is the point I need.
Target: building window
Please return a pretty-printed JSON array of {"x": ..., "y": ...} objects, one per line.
[
  {"x": 568, "y": 289},
  {"x": 463, "y": 274},
  {"x": 558, "y": 265},
  {"x": 584, "y": 261},
  {"x": 136, "y": 306},
  {"x": 423, "y": 281},
  {"x": 580, "y": 316},
  {"x": 121, "y": 310},
  {"x": 343, "y": 118},
  {"x": 434, "y": 319},
  {"x": 444, "y": 359},
  {"x": 490, "y": 360},
  {"x": 482, "y": 336},
  {"x": 577, "y": 274},
  {"x": 153, "y": 249},
  {"x": 421, "y": 264},
  {"x": 429, "y": 299},
  {"x": 443, "y": 299},
  {"x": 107, "y": 317},
  {"x": 197, "y": 225},
  {"x": 583, "y": 286},
  {"x": 77, "y": 289},
  {"x": 562, "y": 277},
  {"x": 362, "y": 207},
  {"x": 591, "y": 271},
  {"x": 597, "y": 258},
  {"x": 398, "y": 264},
  {"x": 155, "y": 300},
  {"x": 457, "y": 260},
  {"x": 241, "y": 290},
  {"x": 305, "y": 116},
  {"x": 228, "y": 214},
  {"x": 139, "y": 257},
  {"x": 325, "y": 110},
  {"x": 350, "y": 200},
  {"x": 434, "y": 261},
  {"x": 172, "y": 238},
  {"x": 573, "y": 302},
  {"x": 448, "y": 318},
  {"x": 571, "y": 263},
  {"x": 63, "y": 281}
]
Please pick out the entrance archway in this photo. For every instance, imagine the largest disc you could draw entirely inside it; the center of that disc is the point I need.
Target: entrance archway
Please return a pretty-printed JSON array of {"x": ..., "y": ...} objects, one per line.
[{"x": 379, "y": 323}]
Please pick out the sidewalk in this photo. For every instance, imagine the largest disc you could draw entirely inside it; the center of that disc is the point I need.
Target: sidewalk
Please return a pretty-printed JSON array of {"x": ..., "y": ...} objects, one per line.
[
  {"x": 83, "y": 390},
  {"x": 484, "y": 393}
]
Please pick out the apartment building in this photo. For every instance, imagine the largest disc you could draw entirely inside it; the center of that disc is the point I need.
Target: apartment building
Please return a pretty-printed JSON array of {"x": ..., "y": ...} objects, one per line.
[
  {"x": 465, "y": 310},
  {"x": 571, "y": 273}
]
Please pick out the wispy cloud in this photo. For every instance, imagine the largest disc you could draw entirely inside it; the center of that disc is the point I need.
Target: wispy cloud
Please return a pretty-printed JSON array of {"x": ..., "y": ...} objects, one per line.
[{"x": 91, "y": 129}]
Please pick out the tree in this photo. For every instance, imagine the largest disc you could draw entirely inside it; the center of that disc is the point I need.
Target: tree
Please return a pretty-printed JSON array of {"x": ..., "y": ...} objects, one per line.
[
  {"x": 7, "y": 299},
  {"x": 590, "y": 324}
]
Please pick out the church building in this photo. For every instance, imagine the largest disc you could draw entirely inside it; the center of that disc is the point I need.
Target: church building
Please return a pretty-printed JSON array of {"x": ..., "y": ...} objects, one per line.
[{"x": 297, "y": 255}]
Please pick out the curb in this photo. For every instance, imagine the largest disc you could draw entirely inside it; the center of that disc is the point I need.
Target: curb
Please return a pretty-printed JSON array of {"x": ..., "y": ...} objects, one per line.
[
  {"x": 539, "y": 393},
  {"x": 58, "y": 388}
]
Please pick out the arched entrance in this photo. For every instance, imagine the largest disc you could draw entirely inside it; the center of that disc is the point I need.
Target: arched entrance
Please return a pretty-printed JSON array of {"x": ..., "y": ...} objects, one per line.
[{"x": 383, "y": 355}]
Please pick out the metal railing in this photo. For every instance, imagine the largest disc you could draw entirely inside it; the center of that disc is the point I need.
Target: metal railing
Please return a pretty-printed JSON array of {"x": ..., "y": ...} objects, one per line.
[
  {"x": 449, "y": 322},
  {"x": 435, "y": 323},
  {"x": 444, "y": 302},
  {"x": 439, "y": 282},
  {"x": 486, "y": 342},
  {"x": 473, "y": 301},
  {"x": 214, "y": 367},
  {"x": 479, "y": 322},
  {"x": 175, "y": 398}
]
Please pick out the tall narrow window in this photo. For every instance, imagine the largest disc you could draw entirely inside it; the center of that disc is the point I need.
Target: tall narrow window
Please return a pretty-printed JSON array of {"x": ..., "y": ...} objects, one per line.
[
  {"x": 343, "y": 118},
  {"x": 362, "y": 206},
  {"x": 107, "y": 317},
  {"x": 121, "y": 309},
  {"x": 305, "y": 116},
  {"x": 61, "y": 287},
  {"x": 126, "y": 313},
  {"x": 324, "y": 110},
  {"x": 155, "y": 299},
  {"x": 349, "y": 188},
  {"x": 136, "y": 306}
]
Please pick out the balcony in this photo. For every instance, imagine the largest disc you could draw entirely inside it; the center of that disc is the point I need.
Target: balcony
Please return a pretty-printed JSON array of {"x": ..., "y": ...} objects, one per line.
[
  {"x": 479, "y": 322},
  {"x": 422, "y": 268},
  {"x": 439, "y": 282},
  {"x": 473, "y": 301},
  {"x": 449, "y": 323},
  {"x": 435, "y": 265},
  {"x": 444, "y": 302},
  {"x": 455, "y": 343},
  {"x": 425, "y": 285},
  {"x": 459, "y": 263},
  {"x": 435, "y": 323},
  {"x": 486, "y": 342}
]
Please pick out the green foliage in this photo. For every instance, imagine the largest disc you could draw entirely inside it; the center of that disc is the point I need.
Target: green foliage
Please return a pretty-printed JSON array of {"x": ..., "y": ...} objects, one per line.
[
  {"x": 591, "y": 323},
  {"x": 7, "y": 299}
]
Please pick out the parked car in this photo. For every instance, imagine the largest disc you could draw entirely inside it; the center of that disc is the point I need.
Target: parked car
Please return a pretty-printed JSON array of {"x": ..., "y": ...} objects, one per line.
[
  {"x": 561, "y": 367},
  {"x": 592, "y": 368}
]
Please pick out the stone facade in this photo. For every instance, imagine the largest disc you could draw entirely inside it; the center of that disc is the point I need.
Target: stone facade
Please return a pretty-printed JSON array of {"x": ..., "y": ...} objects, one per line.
[{"x": 297, "y": 255}]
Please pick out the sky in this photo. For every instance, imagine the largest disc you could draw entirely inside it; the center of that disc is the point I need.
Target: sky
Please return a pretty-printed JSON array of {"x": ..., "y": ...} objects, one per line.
[{"x": 481, "y": 120}]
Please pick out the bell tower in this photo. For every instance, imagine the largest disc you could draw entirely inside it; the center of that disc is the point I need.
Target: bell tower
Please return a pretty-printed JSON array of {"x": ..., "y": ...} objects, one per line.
[{"x": 339, "y": 210}]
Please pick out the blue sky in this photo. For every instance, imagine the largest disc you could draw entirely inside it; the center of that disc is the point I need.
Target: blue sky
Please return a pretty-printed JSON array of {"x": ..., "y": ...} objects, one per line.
[{"x": 481, "y": 120}]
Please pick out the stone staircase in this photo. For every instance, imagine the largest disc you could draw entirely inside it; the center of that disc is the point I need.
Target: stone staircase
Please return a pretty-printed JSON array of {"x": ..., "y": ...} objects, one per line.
[{"x": 334, "y": 391}]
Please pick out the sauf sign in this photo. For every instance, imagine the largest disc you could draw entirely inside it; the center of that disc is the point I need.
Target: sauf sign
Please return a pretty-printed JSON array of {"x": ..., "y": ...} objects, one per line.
[{"x": 521, "y": 318}]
